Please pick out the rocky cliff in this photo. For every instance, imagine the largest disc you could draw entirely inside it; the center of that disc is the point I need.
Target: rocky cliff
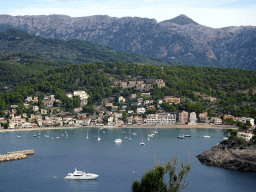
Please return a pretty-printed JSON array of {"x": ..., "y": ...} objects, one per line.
[
  {"x": 230, "y": 158},
  {"x": 179, "y": 39}
]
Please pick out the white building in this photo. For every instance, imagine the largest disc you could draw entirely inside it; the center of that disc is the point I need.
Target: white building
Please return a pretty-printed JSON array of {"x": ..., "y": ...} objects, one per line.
[
  {"x": 121, "y": 99},
  {"x": 141, "y": 110},
  {"x": 251, "y": 120},
  {"x": 35, "y": 108},
  {"x": 160, "y": 119},
  {"x": 192, "y": 119},
  {"x": 83, "y": 97},
  {"x": 118, "y": 115},
  {"x": 245, "y": 136}
]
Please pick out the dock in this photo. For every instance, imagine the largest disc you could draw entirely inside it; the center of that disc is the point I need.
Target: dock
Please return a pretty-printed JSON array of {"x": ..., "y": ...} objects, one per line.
[
  {"x": 16, "y": 155},
  {"x": 25, "y": 152}
]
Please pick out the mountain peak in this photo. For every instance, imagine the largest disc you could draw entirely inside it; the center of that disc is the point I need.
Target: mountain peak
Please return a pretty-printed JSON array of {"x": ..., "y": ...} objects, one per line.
[{"x": 181, "y": 20}]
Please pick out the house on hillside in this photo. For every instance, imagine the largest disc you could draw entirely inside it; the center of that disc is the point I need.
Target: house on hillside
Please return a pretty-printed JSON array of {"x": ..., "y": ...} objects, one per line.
[
  {"x": 170, "y": 99},
  {"x": 245, "y": 136}
]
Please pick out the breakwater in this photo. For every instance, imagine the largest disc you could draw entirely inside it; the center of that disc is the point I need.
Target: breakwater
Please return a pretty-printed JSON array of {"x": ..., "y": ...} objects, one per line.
[{"x": 16, "y": 155}]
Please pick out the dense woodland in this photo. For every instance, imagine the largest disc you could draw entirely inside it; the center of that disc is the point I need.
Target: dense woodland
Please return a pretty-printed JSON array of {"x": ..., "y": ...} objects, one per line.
[{"x": 233, "y": 88}]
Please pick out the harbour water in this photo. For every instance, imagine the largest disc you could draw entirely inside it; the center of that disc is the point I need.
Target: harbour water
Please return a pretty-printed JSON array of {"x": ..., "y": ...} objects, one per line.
[{"x": 114, "y": 163}]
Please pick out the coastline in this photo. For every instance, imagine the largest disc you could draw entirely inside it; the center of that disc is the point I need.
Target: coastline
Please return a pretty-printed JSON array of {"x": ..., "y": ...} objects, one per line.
[{"x": 199, "y": 126}]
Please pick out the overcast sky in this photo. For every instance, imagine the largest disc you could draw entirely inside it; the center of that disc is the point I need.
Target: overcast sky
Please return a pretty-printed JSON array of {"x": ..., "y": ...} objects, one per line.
[{"x": 212, "y": 13}]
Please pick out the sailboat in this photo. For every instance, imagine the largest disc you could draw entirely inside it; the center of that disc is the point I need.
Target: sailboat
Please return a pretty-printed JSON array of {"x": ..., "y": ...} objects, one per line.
[
  {"x": 142, "y": 143},
  {"x": 155, "y": 131},
  {"x": 134, "y": 133},
  {"x": 98, "y": 136},
  {"x": 39, "y": 133},
  {"x": 206, "y": 136},
  {"x": 87, "y": 134},
  {"x": 130, "y": 138}
]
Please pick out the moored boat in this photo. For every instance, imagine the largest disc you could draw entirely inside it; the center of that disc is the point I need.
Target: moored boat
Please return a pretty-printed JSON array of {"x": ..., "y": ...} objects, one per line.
[
  {"x": 118, "y": 140},
  {"x": 81, "y": 175}
]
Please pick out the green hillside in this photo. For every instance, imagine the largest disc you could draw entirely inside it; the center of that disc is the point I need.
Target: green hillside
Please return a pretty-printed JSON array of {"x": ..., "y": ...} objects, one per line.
[{"x": 234, "y": 89}]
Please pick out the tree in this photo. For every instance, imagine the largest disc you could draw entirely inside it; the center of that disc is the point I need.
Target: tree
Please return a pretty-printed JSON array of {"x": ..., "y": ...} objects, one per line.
[{"x": 153, "y": 180}]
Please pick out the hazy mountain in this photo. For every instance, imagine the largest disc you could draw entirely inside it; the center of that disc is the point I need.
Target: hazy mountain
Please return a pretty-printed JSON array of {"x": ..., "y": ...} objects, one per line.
[
  {"x": 20, "y": 47},
  {"x": 179, "y": 39}
]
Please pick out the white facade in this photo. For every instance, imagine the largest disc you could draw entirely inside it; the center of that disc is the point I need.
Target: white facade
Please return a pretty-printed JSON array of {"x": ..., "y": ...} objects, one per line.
[
  {"x": 141, "y": 110},
  {"x": 245, "y": 136},
  {"x": 160, "y": 119},
  {"x": 121, "y": 99},
  {"x": 192, "y": 119},
  {"x": 251, "y": 120}
]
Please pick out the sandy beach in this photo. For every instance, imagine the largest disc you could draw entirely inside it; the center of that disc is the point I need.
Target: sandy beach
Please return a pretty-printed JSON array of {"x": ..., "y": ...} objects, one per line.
[{"x": 198, "y": 126}]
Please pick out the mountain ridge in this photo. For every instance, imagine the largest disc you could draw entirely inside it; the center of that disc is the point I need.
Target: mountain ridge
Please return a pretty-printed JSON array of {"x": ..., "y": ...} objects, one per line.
[{"x": 179, "y": 39}]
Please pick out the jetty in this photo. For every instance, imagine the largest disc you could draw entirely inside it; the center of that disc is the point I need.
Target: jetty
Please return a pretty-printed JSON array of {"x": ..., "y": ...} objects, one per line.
[{"x": 16, "y": 155}]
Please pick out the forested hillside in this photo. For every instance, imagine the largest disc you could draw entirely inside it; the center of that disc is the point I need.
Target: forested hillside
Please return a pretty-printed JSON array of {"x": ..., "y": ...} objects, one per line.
[{"x": 233, "y": 89}]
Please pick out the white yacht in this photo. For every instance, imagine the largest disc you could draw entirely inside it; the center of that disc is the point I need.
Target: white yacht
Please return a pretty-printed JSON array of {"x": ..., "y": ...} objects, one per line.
[
  {"x": 81, "y": 175},
  {"x": 118, "y": 140}
]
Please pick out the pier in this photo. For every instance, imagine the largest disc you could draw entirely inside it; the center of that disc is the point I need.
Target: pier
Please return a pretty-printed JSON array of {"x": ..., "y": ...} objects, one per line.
[{"x": 16, "y": 155}]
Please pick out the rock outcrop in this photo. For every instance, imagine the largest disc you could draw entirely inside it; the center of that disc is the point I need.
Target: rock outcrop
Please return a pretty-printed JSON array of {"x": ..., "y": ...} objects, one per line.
[
  {"x": 240, "y": 159},
  {"x": 179, "y": 39},
  {"x": 13, "y": 156}
]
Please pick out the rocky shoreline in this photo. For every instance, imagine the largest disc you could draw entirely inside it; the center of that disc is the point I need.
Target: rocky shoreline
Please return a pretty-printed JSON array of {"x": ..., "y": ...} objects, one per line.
[{"x": 235, "y": 158}]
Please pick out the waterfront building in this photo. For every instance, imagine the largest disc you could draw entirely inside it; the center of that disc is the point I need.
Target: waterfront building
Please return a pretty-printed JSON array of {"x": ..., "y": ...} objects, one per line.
[
  {"x": 183, "y": 117},
  {"x": 192, "y": 119},
  {"x": 138, "y": 119},
  {"x": 203, "y": 116},
  {"x": 160, "y": 119},
  {"x": 217, "y": 121}
]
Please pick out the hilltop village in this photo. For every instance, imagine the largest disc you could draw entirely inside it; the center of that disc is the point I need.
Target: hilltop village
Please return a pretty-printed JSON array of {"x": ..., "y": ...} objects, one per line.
[{"x": 142, "y": 110}]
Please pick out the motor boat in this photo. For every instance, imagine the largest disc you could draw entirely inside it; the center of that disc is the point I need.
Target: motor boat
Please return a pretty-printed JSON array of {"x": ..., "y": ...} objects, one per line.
[
  {"x": 118, "y": 140},
  {"x": 81, "y": 175},
  {"x": 181, "y": 137},
  {"x": 142, "y": 143},
  {"x": 187, "y": 135},
  {"x": 206, "y": 136}
]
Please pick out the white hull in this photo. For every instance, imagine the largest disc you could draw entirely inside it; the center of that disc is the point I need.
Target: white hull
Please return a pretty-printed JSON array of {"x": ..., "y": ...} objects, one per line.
[
  {"x": 118, "y": 140},
  {"x": 81, "y": 175},
  {"x": 84, "y": 177}
]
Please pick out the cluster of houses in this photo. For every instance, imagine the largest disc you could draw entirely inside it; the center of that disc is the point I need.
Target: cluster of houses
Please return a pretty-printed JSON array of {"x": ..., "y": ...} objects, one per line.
[{"x": 48, "y": 115}]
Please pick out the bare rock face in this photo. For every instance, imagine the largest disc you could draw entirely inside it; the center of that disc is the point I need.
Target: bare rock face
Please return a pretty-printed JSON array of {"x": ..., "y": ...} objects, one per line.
[
  {"x": 230, "y": 158},
  {"x": 179, "y": 39}
]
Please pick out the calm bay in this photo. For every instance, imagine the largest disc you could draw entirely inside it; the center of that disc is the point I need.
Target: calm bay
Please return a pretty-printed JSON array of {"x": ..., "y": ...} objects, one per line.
[{"x": 114, "y": 163}]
